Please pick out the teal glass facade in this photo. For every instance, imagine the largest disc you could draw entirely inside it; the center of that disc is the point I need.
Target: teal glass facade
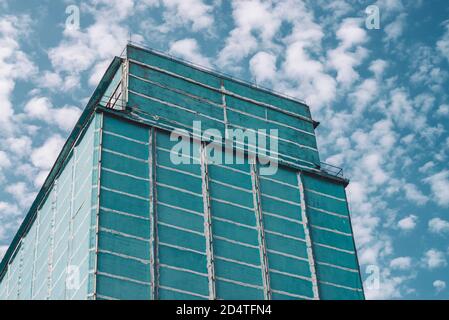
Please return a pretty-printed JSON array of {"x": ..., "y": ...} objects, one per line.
[{"x": 118, "y": 219}]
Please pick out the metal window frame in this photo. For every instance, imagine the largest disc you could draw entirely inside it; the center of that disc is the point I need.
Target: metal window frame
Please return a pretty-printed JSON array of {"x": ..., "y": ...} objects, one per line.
[{"x": 260, "y": 229}]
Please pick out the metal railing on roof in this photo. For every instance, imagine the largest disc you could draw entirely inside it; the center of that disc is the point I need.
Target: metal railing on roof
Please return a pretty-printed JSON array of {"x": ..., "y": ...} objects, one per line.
[
  {"x": 116, "y": 96},
  {"x": 210, "y": 70},
  {"x": 332, "y": 170}
]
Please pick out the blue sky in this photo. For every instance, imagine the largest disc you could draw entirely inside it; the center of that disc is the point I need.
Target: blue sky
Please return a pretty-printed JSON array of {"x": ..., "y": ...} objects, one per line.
[{"x": 380, "y": 94}]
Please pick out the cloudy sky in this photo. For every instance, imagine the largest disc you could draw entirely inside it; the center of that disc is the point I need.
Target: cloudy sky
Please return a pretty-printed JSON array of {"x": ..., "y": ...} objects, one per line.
[{"x": 381, "y": 96}]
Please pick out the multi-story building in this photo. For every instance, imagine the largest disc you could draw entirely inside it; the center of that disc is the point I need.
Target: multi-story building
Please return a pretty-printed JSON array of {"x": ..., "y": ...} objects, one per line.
[{"x": 130, "y": 212}]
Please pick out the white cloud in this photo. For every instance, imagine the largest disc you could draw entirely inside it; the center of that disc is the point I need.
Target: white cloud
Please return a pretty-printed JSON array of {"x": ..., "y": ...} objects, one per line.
[
  {"x": 44, "y": 156},
  {"x": 401, "y": 263},
  {"x": 439, "y": 285},
  {"x": 73, "y": 55},
  {"x": 443, "y": 43},
  {"x": 21, "y": 193},
  {"x": 426, "y": 167},
  {"x": 194, "y": 12},
  {"x": 427, "y": 69},
  {"x": 263, "y": 66},
  {"x": 401, "y": 109},
  {"x": 4, "y": 160},
  {"x": 55, "y": 82},
  {"x": 389, "y": 286},
  {"x": 42, "y": 108},
  {"x": 434, "y": 259},
  {"x": 250, "y": 18},
  {"x": 414, "y": 194},
  {"x": 395, "y": 29},
  {"x": 378, "y": 67},
  {"x": 364, "y": 94},
  {"x": 351, "y": 33},
  {"x": 19, "y": 146},
  {"x": 439, "y": 184},
  {"x": 50, "y": 80},
  {"x": 373, "y": 163},
  {"x": 391, "y": 6},
  {"x": 3, "y": 250},
  {"x": 317, "y": 87},
  {"x": 40, "y": 178},
  {"x": 14, "y": 65},
  {"x": 8, "y": 209},
  {"x": 189, "y": 49},
  {"x": 443, "y": 110},
  {"x": 39, "y": 108},
  {"x": 408, "y": 223},
  {"x": 376, "y": 250},
  {"x": 66, "y": 117},
  {"x": 88, "y": 49},
  {"x": 98, "y": 71},
  {"x": 438, "y": 225},
  {"x": 349, "y": 54}
]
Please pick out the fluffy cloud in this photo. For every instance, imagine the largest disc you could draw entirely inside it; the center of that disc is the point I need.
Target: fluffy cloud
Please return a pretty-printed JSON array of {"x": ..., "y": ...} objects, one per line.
[
  {"x": 263, "y": 66},
  {"x": 94, "y": 47},
  {"x": 378, "y": 67},
  {"x": 66, "y": 117},
  {"x": 394, "y": 29},
  {"x": 194, "y": 12},
  {"x": 44, "y": 156},
  {"x": 408, "y": 223},
  {"x": 250, "y": 17},
  {"x": 5, "y": 162},
  {"x": 412, "y": 193},
  {"x": 443, "y": 110},
  {"x": 439, "y": 285},
  {"x": 301, "y": 72},
  {"x": 19, "y": 146},
  {"x": 426, "y": 167},
  {"x": 434, "y": 259},
  {"x": 439, "y": 184},
  {"x": 402, "y": 110},
  {"x": 14, "y": 65},
  {"x": 41, "y": 108},
  {"x": 365, "y": 93},
  {"x": 22, "y": 194},
  {"x": 188, "y": 49},
  {"x": 401, "y": 263},
  {"x": 8, "y": 209},
  {"x": 349, "y": 54},
  {"x": 3, "y": 251},
  {"x": 443, "y": 43},
  {"x": 438, "y": 225},
  {"x": 389, "y": 286}
]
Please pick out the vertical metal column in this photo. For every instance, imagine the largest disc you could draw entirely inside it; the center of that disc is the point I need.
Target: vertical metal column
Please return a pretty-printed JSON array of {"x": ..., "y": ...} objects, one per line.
[
  {"x": 207, "y": 222},
  {"x": 7, "y": 275},
  {"x": 154, "y": 257},
  {"x": 19, "y": 280},
  {"x": 260, "y": 229},
  {"x": 36, "y": 245},
  {"x": 310, "y": 256},
  {"x": 223, "y": 102},
  {"x": 72, "y": 212},
  {"x": 52, "y": 239},
  {"x": 97, "y": 222},
  {"x": 124, "y": 83}
]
